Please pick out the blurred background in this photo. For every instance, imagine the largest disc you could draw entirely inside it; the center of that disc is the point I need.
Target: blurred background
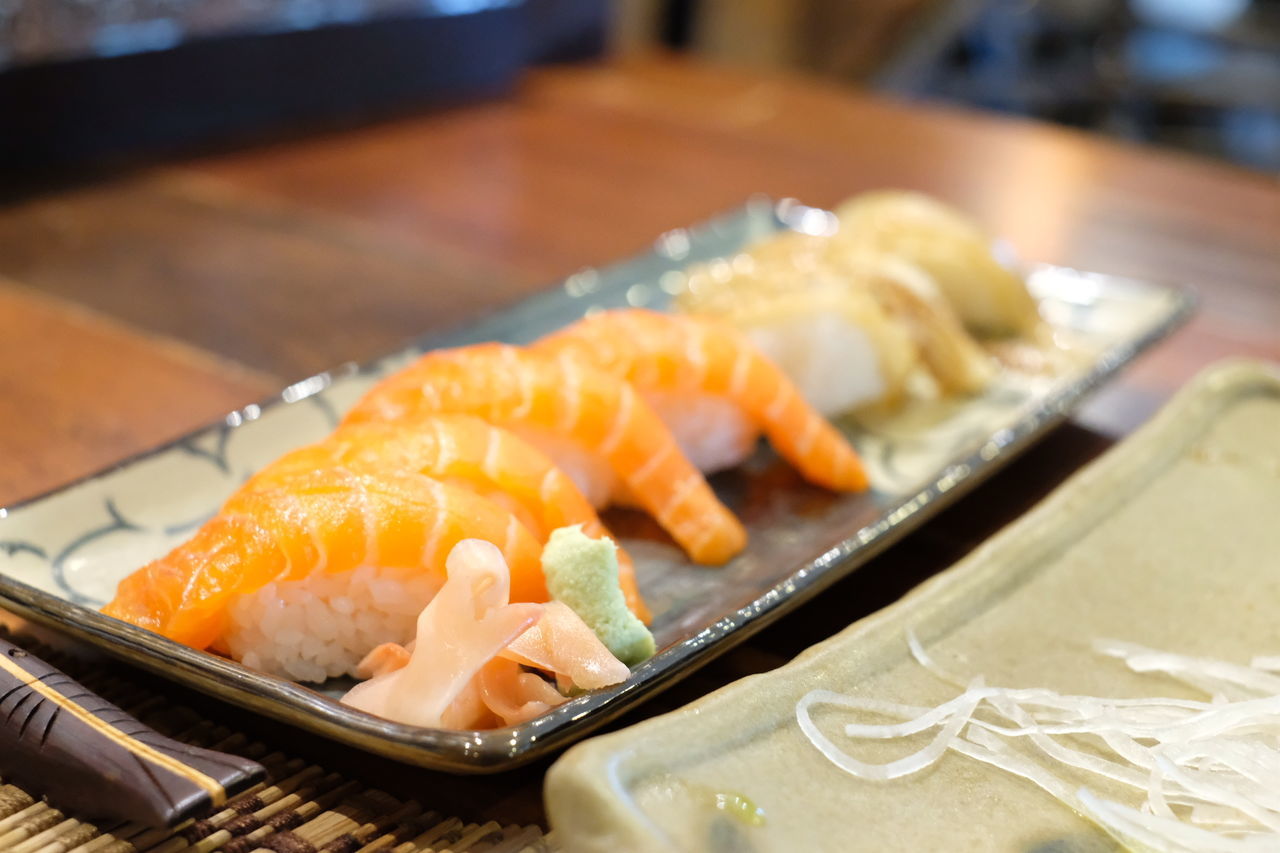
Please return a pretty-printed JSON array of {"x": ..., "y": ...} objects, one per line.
[
  {"x": 87, "y": 80},
  {"x": 1202, "y": 75}
]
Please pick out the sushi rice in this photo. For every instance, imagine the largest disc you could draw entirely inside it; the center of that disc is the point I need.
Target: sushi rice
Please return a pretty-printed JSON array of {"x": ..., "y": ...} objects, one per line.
[{"x": 322, "y": 625}]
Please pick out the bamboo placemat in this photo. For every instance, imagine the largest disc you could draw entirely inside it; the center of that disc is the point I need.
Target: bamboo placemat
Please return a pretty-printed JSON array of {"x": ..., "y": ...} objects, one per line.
[{"x": 300, "y": 808}]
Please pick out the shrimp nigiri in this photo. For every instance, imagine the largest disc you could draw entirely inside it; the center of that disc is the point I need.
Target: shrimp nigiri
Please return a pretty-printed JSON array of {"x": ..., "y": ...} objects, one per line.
[
  {"x": 594, "y": 425},
  {"x": 708, "y": 382},
  {"x": 468, "y": 452},
  {"x": 304, "y": 579}
]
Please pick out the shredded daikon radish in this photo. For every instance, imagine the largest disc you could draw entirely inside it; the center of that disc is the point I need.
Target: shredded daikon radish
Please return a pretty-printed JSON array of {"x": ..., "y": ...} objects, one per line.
[
  {"x": 1205, "y": 775},
  {"x": 955, "y": 719},
  {"x": 923, "y": 658},
  {"x": 1138, "y": 830},
  {"x": 1141, "y": 659}
]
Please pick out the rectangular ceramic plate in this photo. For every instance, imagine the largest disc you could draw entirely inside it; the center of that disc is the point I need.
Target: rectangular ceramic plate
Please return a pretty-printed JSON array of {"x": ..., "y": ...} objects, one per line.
[
  {"x": 1169, "y": 541},
  {"x": 62, "y": 555}
]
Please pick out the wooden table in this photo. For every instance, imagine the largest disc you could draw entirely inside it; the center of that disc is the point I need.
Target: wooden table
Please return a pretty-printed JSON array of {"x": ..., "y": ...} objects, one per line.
[{"x": 138, "y": 307}]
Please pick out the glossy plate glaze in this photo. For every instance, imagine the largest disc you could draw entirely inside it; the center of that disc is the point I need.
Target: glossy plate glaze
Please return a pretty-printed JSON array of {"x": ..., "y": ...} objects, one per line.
[
  {"x": 1169, "y": 540},
  {"x": 62, "y": 555}
]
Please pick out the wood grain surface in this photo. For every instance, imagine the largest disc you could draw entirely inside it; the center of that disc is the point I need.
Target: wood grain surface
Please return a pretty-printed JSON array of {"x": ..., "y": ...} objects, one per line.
[
  {"x": 293, "y": 257},
  {"x": 79, "y": 391},
  {"x": 252, "y": 279}
]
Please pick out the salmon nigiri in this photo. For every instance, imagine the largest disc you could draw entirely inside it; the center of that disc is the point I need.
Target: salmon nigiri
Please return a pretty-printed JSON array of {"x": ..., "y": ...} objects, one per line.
[
  {"x": 304, "y": 579},
  {"x": 468, "y": 452},
  {"x": 714, "y": 389},
  {"x": 594, "y": 425}
]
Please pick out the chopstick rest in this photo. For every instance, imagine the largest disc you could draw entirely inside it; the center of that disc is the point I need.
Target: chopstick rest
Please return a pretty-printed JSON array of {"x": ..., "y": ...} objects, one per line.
[{"x": 90, "y": 758}]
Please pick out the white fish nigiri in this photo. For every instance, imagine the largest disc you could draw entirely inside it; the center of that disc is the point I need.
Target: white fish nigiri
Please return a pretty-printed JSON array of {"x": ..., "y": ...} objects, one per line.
[
  {"x": 850, "y": 315},
  {"x": 947, "y": 245},
  {"x": 912, "y": 298},
  {"x": 834, "y": 341}
]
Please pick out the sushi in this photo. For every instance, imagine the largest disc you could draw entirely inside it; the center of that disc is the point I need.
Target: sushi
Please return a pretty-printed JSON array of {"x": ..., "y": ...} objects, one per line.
[
  {"x": 443, "y": 544},
  {"x": 893, "y": 295},
  {"x": 303, "y": 579},
  {"x": 951, "y": 356},
  {"x": 947, "y": 245},
  {"x": 468, "y": 452},
  {"x": 596, "y": 427},
  {"x": 835, "y": 341},
  {"x": 713, "y": 389}
]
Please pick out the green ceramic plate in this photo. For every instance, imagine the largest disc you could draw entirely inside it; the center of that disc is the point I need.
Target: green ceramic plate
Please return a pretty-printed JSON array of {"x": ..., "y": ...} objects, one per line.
[{"x": 1170, "y": 540}]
